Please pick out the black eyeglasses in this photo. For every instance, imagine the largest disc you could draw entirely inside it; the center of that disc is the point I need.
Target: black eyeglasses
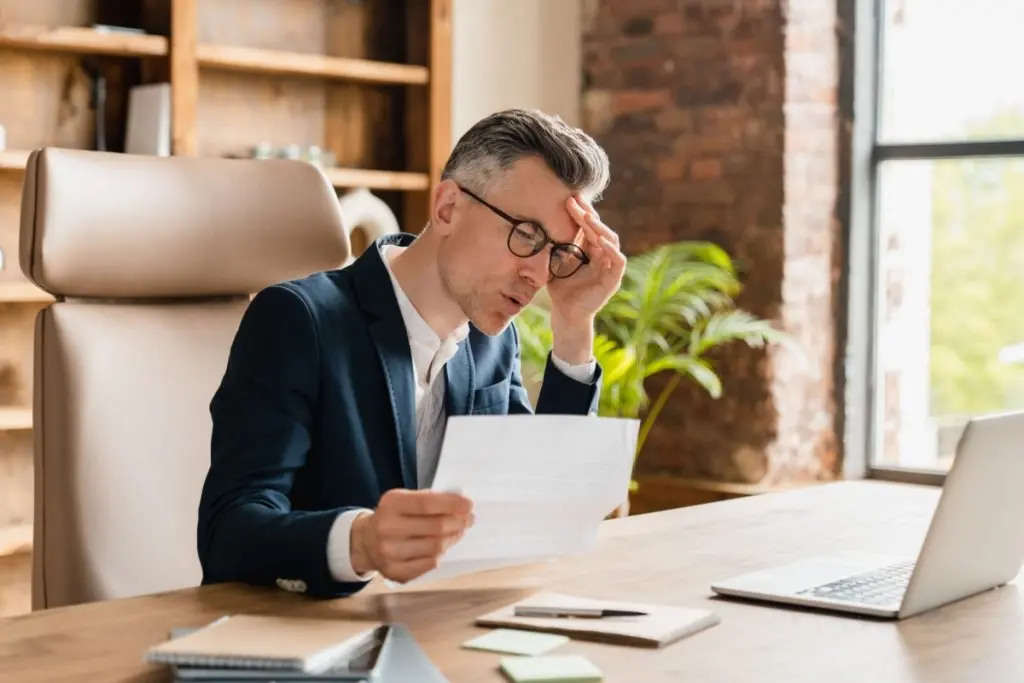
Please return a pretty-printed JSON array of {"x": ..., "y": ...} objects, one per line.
[{"x": 526, "y": 239}]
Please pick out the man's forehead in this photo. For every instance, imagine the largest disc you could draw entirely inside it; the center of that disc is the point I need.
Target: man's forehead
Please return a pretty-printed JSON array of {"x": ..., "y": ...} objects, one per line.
[{"x": 538, "y": 194}]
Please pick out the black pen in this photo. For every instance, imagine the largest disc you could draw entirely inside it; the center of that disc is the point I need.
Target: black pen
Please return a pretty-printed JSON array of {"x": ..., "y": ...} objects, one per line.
[{"x": 574, "y": 612}]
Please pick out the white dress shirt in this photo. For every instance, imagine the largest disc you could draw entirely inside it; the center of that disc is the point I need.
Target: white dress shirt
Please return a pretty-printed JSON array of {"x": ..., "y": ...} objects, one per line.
[{"x": 430, "y": 353}]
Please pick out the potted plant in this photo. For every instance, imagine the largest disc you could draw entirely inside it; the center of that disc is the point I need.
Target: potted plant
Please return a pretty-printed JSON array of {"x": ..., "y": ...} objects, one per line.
[{"x": 676, "y": 303}]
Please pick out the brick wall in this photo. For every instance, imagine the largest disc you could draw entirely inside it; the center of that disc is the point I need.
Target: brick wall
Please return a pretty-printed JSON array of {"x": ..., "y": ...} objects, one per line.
[{"x": 720, "y": 119}]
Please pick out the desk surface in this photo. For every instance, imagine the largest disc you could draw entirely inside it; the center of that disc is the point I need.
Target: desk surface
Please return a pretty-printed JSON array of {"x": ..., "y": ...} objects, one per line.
[{"x": 669, "y": 557}]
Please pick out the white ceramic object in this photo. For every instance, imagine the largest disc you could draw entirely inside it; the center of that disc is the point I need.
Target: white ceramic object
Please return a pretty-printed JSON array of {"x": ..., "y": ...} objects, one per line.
[
  {"x": 364, "y": 211},
  {"x": 3, "y": 138}
]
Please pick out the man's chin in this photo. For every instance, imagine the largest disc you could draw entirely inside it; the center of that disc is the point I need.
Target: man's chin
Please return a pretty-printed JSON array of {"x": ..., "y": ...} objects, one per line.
[{"x": 492, "y": 324}]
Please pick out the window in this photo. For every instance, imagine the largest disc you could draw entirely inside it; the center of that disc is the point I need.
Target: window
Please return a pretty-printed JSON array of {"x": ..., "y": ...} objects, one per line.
[{"x": 945, "y": 256}]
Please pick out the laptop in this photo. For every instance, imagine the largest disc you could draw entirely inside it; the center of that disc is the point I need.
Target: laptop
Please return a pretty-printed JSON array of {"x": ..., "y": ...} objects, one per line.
[{"x": 972, "y": 544}]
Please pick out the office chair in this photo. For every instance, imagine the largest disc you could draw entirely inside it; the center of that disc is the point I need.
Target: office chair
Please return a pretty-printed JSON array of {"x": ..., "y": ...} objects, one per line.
[{"x": 152, "y": 261}]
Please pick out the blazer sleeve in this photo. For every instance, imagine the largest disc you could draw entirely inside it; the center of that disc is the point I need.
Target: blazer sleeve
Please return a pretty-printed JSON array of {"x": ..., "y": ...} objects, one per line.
[
  {"x": 559, "y": 393},
  {"x": 262, "y": 414}
]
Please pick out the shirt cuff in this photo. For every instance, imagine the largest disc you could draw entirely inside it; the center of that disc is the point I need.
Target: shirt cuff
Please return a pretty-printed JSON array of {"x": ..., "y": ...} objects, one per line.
[
  {"x": 581, "y": 373},
  {"x": 339, "y": 560}
]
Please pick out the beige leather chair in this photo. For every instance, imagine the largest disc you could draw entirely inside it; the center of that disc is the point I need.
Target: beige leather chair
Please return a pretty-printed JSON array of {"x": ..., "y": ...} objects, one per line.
[{"x": 152, "y": 261}]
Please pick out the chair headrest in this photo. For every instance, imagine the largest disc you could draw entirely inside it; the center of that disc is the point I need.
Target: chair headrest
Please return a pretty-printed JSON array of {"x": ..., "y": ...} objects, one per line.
[{"x": 111, "y": 225}]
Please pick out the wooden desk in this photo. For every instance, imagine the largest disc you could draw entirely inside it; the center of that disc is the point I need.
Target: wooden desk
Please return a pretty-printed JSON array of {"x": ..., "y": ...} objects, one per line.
[{"x": 671, "y": 556}]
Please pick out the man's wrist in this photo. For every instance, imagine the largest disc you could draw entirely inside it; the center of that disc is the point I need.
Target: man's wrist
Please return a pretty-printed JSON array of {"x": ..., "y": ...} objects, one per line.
[
  {"x": 583, "y": 373},
  {"x": 361, "y": 561},
  {"x": 573, "y": 340}
]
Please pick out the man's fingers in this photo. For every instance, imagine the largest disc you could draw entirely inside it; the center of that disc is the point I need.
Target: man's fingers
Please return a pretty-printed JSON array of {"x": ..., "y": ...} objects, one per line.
[
  {"x": 611, "y": 257},
  {"x": 407, "y": 571},
  {"x": 424, "y": 526},
  {"x": 616, "y": 259},
  {"x": 592, "y": 235},
  {"x": 580, "y": 216},
  {"x": 406, "y": 559},
  {"x": 419, "y": 548},
  {"x": 586, "y": 216},
  {"x": 603, "y": 230},
  {"x": 430, "y": 503}
]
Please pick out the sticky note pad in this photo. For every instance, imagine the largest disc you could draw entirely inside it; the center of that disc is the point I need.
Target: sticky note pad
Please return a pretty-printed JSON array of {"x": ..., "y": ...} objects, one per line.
[
  {"x": 514, "y": 642},
  {"x": 550, "y": 669}
]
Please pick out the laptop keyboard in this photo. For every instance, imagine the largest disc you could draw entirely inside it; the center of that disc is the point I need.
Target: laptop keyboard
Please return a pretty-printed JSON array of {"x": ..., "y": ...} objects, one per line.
[{"x": 877, "y": 587}]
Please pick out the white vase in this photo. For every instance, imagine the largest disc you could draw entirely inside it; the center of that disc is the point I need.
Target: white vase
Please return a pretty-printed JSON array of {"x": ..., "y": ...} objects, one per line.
[{"x": 367, "y": 213}]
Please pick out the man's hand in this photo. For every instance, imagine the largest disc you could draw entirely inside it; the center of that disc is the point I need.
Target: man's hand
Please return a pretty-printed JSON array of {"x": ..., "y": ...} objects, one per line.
[
  {"x": 576, "y": 300},
  {"x": 408, "y": 532}
]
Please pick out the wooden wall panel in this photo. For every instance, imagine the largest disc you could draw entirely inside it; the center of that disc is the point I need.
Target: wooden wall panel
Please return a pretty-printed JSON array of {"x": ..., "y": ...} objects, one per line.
[
  {"x": 16, "y": 319},
  {"x": 183, "y": 77},
  {"x": 428, "y": 110},
  {"x": 49, "y": 13},
  {"x": 16, "y": 478},
  {"x": 15, "y": 585},
  {"x": 237, "y": 111},
  {"x": 291, "y": 25},
  {"x": 16, "y": 332},
  {"x": 417, "y": 113},
  {"x": 45, "y": 100},
  {"x": 363, "y": 124},
  {"x": 48, "y": 97},
  {"x": 16, "y": 475},
  {"x": 10, "y": 201},
  {"x": 347, "y": 119}
]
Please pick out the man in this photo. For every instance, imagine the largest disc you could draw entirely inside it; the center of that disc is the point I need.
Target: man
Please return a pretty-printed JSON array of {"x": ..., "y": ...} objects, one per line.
[{"x": 328, "y": 422}]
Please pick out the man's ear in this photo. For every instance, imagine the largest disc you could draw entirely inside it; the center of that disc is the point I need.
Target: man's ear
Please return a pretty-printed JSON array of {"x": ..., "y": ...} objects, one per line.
[{"x": 442, "y": 215}]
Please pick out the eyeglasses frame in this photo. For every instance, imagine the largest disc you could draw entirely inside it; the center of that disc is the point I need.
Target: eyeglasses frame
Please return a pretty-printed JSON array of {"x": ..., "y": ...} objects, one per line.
[{"x": 516, "y": 222}]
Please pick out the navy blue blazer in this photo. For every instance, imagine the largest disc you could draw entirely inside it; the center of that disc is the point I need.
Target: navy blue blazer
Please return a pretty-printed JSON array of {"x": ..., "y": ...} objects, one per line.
[{"x": 315, "y": 415}]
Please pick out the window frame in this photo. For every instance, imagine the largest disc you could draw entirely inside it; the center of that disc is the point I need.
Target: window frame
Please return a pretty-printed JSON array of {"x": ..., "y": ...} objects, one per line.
[{"x": 861, "y": 100}]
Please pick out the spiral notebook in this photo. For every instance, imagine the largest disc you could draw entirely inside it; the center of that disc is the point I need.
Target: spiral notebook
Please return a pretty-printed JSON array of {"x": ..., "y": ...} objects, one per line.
[{"x": 266, "y": 642}]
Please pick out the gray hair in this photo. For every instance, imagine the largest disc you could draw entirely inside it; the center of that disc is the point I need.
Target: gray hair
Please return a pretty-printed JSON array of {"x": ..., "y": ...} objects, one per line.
[{"x": 496, "y": 142}]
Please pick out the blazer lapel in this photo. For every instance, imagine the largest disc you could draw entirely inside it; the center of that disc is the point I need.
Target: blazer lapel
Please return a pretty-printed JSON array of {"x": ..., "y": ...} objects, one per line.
[
  {"x": 459, "y": 373},
  {"x": 377, "y": 297},
  {"x": 393, "y": 350}
]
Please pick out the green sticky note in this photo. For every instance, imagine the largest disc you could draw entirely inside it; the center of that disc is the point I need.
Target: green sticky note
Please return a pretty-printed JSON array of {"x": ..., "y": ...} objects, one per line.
[
  {"x": 550, "y": 669},
  {"x": 515, "y": 642}
]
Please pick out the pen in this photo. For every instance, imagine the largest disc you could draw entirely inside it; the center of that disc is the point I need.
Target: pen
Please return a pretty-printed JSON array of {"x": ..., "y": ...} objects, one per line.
[{"x": 575, "y": 612}]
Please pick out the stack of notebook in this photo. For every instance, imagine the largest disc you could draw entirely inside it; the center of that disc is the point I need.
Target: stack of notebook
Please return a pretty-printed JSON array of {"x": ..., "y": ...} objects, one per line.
[{"x": 264, "y": 648}]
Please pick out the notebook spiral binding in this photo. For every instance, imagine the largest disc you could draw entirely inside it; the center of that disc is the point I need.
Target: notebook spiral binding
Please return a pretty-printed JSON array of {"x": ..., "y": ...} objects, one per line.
[{"x": 220, "y": 662}]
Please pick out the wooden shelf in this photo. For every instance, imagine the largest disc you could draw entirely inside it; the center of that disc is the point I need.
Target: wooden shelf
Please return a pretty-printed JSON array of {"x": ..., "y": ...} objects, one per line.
[
  {"x": 377, "y": 180},
  {"x": 252, "y": 60},
  {"x": 15, "y": 419},
  {"x": 81, "y": 40},
  {"x": 19, "y": 292},
  {"x": 13, "y": 159},
  {"x": 15, "y": 540},
  {"x": 340, "y": 177}
]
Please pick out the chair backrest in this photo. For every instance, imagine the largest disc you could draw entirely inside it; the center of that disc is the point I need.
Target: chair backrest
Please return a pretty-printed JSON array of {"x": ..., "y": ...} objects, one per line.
[{"x": 152, "y": 261}]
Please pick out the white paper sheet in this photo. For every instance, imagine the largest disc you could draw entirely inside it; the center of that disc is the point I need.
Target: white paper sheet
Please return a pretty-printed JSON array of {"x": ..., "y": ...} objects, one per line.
[{"x": 540, "y": 484}]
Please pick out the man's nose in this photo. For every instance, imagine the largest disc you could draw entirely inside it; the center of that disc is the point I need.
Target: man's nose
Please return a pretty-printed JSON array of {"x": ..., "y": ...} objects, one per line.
[{"x": 536, "y": 268}]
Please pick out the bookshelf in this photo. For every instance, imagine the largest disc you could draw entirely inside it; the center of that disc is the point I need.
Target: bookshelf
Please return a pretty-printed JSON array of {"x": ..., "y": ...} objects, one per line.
[{"x": 368, "y": 81}]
